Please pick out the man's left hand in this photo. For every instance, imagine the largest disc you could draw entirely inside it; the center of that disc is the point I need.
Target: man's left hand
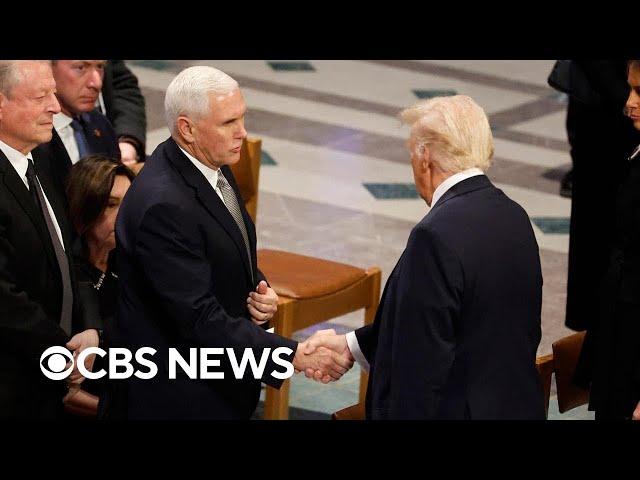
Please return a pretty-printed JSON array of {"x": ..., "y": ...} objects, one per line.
[
  {"x": 128, "y": 153},
  {"x": 80, "y": 341},
  {"x": 636, "y": 413},
  {"x": 262, "y": 304}
]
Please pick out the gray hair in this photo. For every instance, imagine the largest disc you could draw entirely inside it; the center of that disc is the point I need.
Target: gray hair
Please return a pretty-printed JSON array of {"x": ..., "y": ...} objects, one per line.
[
  {"x": 456, "y": 130},
  {"x": 9, "y": 74},
  {"x": 188, "y": 93}
]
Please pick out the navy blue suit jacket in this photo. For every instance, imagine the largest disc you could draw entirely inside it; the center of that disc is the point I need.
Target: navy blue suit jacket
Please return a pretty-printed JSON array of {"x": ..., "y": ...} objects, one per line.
[
  {"x": 184, "y": 280},
  {"x": 101, "y": 139},
  {"x": 458, "y": 326}
]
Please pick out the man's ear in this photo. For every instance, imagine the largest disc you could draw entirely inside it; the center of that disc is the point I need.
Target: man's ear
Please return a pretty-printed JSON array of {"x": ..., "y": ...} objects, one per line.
[
  {"x": 3, "y": 101},
  {"x": 185, "y": 128},
  {"x": 425, "y": 159}
]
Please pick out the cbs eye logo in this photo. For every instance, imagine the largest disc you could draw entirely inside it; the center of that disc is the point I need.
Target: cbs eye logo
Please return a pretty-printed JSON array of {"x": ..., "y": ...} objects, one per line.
[{"x": 56, "y": 363}]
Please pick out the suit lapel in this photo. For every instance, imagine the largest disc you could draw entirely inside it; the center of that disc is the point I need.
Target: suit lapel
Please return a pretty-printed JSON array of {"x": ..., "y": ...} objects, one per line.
[
  {"x": 54, "y": 155},
  {"x": 20, "y": 192},
  {"x": 208, "y": 197},
  {"x": 94, "y": 135},
  {"x": 100, "y": 134},
  {"x": 58, "y": 203},
  {"x": 59, "y": 157}
]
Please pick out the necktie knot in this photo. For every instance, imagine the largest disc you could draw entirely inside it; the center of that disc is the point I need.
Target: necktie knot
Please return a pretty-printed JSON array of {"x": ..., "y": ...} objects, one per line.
[
  {"x": 222, "y": 182},
  {"x": 31, "y": 170},
  {"x": 76, "y": 124}
]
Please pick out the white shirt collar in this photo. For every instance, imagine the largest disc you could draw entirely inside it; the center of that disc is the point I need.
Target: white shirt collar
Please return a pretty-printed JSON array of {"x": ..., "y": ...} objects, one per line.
[
  {"x": 19, "y": 161},
  {"x": 453, "y": 180},
  {"x": 209, "y": 173},
  {"x": 61, "y": 121}
]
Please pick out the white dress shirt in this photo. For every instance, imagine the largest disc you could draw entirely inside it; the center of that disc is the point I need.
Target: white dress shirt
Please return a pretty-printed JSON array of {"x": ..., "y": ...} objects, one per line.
[
  {"x": 62, "y": 124},
  {"x": 352, "y": 340},
  {"x": 20, "y": 163},
  {"x": 209, "y": 173}
]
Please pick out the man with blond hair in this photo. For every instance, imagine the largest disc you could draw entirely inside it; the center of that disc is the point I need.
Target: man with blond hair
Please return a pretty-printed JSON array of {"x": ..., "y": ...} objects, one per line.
[{"x": 458, "y": 326}]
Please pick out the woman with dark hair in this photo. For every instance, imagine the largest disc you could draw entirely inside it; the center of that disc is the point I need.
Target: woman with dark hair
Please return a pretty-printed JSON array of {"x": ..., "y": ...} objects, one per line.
[
  {"x": 610, "y": 358},
  {"x": 95, "y": 189}
]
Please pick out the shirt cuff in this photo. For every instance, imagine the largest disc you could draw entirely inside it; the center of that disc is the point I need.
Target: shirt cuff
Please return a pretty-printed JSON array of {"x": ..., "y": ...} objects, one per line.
[{"x": 356, "y": 353}]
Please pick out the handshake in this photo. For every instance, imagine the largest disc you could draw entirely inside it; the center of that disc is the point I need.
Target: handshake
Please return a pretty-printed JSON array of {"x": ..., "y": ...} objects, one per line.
[{"x": 324, "y": 356}]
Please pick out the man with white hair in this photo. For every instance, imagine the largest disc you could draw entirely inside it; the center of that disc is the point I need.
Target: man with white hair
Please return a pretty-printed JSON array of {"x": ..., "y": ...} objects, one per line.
[
  {"x": 186, "y": 256},
  {"x": 37, "y": 306},
  {"x": 458, "y": 326}
]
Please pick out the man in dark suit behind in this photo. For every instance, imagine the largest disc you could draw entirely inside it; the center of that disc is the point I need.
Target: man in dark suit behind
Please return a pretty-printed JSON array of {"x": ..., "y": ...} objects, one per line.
[
  {"x": 124, "y": 106},
  {"x": 37, "y": 307},
  {"x": 458, "y": 326},
  {"x": 79, "y": 129},
  {"x": 186, "y": 254}
]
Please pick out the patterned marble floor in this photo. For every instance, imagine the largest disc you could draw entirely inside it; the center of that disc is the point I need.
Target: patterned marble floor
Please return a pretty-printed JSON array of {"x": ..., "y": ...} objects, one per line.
[{"x": 336, "y": 182}]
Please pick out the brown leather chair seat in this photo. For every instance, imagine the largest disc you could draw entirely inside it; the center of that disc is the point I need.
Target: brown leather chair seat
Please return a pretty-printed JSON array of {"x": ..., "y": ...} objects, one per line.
[{"x": 300, "y": 277}]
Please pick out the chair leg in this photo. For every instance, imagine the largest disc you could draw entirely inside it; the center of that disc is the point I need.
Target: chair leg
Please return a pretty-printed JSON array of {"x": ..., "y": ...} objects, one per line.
[
  {"x": 276, "y": 403},
  {"x": 369, "y": 316}
]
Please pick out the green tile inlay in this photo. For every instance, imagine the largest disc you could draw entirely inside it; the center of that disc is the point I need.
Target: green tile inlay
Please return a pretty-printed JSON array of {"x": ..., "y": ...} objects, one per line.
[
  {"x": 552, "y": 225},
  {"x": 434, "y": 93},
  {"x": 266, "y": 159},
  {"x": 154, "y": 64},
  {"x": 387, "y": 191},
  {"x": 291, "y": 66}
]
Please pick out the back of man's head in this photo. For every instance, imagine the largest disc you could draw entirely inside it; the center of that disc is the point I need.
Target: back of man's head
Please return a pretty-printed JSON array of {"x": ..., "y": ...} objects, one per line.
[
  {"x": 189, "y": 92},
  {"x": 455, "y": 129}
]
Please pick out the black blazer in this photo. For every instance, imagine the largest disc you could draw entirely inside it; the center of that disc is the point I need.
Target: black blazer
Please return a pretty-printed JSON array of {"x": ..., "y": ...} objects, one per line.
[
  {"x": 30, "y": 296},
  {"x": 458, "y": 326},
  {"x": 102, "y": 139},
  {"x": 183, "y": 282},
  {"x": 611, "y": 350}
]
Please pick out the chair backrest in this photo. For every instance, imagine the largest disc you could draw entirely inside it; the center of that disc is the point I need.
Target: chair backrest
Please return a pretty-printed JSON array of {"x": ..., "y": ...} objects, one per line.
[
  {"x": 247, "y": 173},
  {"x": 566, "y": 352}
]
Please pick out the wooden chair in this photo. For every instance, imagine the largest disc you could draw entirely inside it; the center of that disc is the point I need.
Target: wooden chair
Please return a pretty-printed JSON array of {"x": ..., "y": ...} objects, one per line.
[
  {"x": 544, "y": 364},
  {"x": 311, "y": 290},
  {"x": 566, "y": 352}
]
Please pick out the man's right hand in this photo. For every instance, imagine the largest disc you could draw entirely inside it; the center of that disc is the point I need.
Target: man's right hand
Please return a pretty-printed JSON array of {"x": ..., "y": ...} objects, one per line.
[
  {"x": 327, "y": 340},
  {"x": 326, "y": 364}
]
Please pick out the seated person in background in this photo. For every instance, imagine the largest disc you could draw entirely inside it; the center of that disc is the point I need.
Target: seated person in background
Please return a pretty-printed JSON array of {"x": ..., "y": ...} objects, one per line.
[
  {"x": 95, "y": 189},
  {"x": 123, "y": 104}
]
